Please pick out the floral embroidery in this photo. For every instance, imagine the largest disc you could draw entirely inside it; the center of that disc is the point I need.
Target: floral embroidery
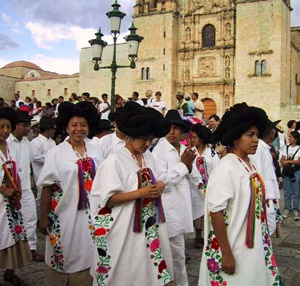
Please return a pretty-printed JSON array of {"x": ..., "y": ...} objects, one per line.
[
  {"x": 57, "y": 259},
  {"x": 214, "y": 260},
  {"x": 202, "y": 168},
  {"x": 102, "y": 226},
  {"x": 14, "y": 215}
]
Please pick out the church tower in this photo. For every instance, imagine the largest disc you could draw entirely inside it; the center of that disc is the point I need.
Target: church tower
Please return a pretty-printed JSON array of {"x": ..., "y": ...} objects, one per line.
[
  {"x": 263, "y": 47},
  {"x": 157, "y": 22}
]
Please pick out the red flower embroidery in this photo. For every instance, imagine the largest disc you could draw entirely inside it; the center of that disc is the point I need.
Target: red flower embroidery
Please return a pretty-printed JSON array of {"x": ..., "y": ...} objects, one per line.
[
  {"x": 162, "y": 266},
  {"x": 18, "y": 229},
  {"x": 100, "y": 231},
  {"x": 155, "y": 243},
  {"x": 215, "y": 244},
  {"x": 53, "y": 205},
  {"x": 263, "y": 217},
  {"x": 214, "y": 283},
  {"x": 88, "y": 185},
  {"x": 102, "y": 270},
  {"x": 273, "y": 260},
  {"x": 224, "y": 283}
]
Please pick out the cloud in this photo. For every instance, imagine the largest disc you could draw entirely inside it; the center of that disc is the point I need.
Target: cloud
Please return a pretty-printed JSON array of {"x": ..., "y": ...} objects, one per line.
[
  {"x": 84, "y": 14},
  {"x": 8, "y": 20},
  {"x": 54, "y": 64},
  {"x": 45, "y": 35},
  {"x": 6, "y": 43}
]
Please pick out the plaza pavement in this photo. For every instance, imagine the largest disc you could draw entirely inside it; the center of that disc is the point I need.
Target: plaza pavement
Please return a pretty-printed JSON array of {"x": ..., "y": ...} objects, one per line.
[{"x": 287, "y": 253}]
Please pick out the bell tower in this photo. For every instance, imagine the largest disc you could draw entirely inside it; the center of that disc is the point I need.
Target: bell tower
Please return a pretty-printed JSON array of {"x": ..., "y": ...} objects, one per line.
[{"x": 157, "y": 21}]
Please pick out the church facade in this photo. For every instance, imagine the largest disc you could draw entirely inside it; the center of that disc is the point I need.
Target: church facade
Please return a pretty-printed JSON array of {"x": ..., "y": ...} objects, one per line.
[{"x": 228, "y": 51}]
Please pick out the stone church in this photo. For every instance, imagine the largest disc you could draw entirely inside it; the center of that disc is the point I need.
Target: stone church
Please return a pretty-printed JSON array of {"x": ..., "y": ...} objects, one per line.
[{"x": 228, "y": 51}]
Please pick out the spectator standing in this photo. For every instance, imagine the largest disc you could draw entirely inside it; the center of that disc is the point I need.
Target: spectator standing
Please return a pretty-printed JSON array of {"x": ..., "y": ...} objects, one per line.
[
  {"x": 158, "y": 104},
  {"x": 18, "y": 99},
  {"x": 135, "y": 97},
  {"x": 149, "y": 96},
  {"x": 104, "y": 107},
  {"x": 199, "y": 107},
  {"x": 213, "y": 122}
]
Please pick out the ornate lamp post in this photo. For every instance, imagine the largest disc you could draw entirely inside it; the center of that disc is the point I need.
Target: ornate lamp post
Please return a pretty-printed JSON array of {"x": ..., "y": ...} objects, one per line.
[{"x": 133, "y": 40}]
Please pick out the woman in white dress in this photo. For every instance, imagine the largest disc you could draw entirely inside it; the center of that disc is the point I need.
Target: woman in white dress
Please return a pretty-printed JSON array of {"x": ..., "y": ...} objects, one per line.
[
  {"x": 66, "y": 178},
  {"x": 132, "y": 245},
  {"x": 206, "y": 160},
  {"x": 14, "y": 249},
  {"x": 238, "y": 248}
]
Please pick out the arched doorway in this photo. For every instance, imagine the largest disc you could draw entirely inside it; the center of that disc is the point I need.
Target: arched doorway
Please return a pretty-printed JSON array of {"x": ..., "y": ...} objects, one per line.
[{"x": 210, "y": 107}]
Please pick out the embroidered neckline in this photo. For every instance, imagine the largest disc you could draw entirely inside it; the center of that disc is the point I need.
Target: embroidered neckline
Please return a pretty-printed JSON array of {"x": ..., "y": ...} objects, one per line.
[
  {"x": 141, "y": 167},
  {"x": 76, "y": 152}
]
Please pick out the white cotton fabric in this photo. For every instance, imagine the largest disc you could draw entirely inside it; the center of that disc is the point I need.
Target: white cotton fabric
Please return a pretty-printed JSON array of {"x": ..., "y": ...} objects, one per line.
[
  {"x": 229, "y": 190},
  {"x": 60, "y": 168},
  {"x": 197, "y": 196},
  {"x": 264, "y": 164},
  {"x": 177, "y": 195},
  {"x": 108, "y": 144},
  {"x": 130, "y": 258}
]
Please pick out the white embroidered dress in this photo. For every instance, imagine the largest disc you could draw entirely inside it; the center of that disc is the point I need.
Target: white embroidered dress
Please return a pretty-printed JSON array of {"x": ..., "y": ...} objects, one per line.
[
  {"x": 229, "y": 191},
  {"x": 122, "y": 256},
  {"x": 69, "y": 246}
]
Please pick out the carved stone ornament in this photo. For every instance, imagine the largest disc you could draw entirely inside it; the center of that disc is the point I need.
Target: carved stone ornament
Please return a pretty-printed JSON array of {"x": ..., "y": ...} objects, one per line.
[{"x": 207, "y": 67}]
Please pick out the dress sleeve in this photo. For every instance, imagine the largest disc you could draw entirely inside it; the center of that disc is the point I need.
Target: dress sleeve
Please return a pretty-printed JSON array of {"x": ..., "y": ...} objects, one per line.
[
  {"x": 107, "y": 182},
  {"x": 50, "y": 171},
  {"x": 221, "y": 188}
]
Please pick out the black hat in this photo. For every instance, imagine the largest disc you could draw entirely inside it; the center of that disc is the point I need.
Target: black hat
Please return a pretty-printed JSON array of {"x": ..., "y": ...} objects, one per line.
[
  {"x": 203, "y": 133},
  {"x": 272, "y": 125},
  {"x": 103, "y": 124},
  {"x": 138, "y": 121},
  {"x": 23, "y": 116},
  {"x": 47, "y": 123},
  {"x": 175, "y": 119},
  {"x": 112, "y": 116}
]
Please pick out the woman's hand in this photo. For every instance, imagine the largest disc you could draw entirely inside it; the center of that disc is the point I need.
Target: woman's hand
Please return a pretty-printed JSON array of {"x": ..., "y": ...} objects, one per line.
[
  {"x": 9, "y": 192},
  {"x": 160, "y": 187},
  {"x": 150, "y": 191},
  {"x": 43, "y": 225},
  {"x": 228, "y": 263}
]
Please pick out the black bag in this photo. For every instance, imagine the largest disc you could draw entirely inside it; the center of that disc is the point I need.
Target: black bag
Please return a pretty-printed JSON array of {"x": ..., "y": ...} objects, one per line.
[{"x": 288, "y": 170}]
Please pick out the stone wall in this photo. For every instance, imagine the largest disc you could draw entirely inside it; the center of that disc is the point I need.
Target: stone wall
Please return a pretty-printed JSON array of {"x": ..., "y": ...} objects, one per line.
[
  {"x": 7, "y": 85},
  {"x": 47, "y": 89}
]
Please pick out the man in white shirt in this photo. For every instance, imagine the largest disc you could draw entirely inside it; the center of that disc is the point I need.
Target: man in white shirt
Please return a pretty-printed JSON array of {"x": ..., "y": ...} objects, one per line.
[
  {"x": 104, "y": 107},
  {"x": 60, "y": 100},
  {"x": 111, "y": 143},
  {"x": 39, "y": 148},
  {"x": 18, "y": 100},
  {"x": 265, "y": 167},
  {"x": 19, "y": 147},
  {"x": 159, "y": 104},
  {"x": 199, "y": 107},
  {"x": 149, "y": 96},
  {"x": 175, "y": 169},
  {"x": 135, "y": 97}
]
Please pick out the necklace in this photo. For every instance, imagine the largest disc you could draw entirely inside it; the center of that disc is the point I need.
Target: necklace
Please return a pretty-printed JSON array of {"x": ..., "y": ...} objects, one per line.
[
  {"x": 141, "y": 166},
  {"x": 249, "y": 168},
  {"x": 77, "y": 153},
  {"x": 8, "y": 159}
]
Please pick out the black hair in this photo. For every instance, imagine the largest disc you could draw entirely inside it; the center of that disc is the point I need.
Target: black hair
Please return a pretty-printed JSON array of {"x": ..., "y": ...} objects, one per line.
[
  {"x": 196, "y": 94},
  {"x": 104, "y": 94},
  {"x": 87, "y": 94},
  {"x": 135, "y": 93},
  {"x": 68, "y": 110},
  {"x": 237, "y": 120},
  {"x": 9, "y": 114},
  {"x": 290, "y": 123},
  {"x": 214, "y": 116},
  {"x": 138, "y": 121},
  {"x": 48, "y": 104},
  {"x": 296, "y": 135},
  {"x": 203, "y": 133}
]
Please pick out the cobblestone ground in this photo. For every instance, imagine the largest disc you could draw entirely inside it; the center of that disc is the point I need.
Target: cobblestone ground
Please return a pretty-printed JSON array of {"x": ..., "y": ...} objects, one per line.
[{"x": 287, "y": 251}]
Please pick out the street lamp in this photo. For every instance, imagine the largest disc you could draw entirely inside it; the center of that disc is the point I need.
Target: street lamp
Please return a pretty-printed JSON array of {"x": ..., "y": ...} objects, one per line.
[{"x": 133, "y": 40}]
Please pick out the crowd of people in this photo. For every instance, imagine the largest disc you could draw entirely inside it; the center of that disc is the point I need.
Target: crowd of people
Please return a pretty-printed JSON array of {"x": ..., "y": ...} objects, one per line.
[{"x": 114, "y": 191}]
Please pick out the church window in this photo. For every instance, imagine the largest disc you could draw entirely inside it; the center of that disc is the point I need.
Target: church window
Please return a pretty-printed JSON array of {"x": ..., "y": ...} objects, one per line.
[
  {"x": 33, "y": 93},
  {"x": 148, "y": 73},
  {"x": 49, "y": 92},
  {"x": 165, "y": 34},
  {"x": 32, "y": 74},
  {"x": 208, "y": 36},
  {"x": 164, "y": 67},
  {"x": 257, "y": 68},
  {"x": 153, "y": 4},
  {"x": 187, "y": 75},
  {"x": 263, "y": 67},
  {"x": 65, "y": 91},
  {"x": 227, "y": 73},
  {"x": 143, "y": 73},
  {"x": 188, "y": 34},
  {"x": 164, "y": 51}
]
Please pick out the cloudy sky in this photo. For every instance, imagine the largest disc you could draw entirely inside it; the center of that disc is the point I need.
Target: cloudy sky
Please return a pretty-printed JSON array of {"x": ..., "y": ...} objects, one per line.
[{"x": 50, "y": 33}]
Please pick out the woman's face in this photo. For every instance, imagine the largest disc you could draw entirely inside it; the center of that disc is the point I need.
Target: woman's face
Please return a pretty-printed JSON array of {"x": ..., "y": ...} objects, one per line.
[
  {"x": 77, "y": 129},
  {"x": 196, "y": 142},
  {"x": 248, "y": 142},
  {"x": 141, "y": 144},
  {"x": 5, "y": 129}
]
